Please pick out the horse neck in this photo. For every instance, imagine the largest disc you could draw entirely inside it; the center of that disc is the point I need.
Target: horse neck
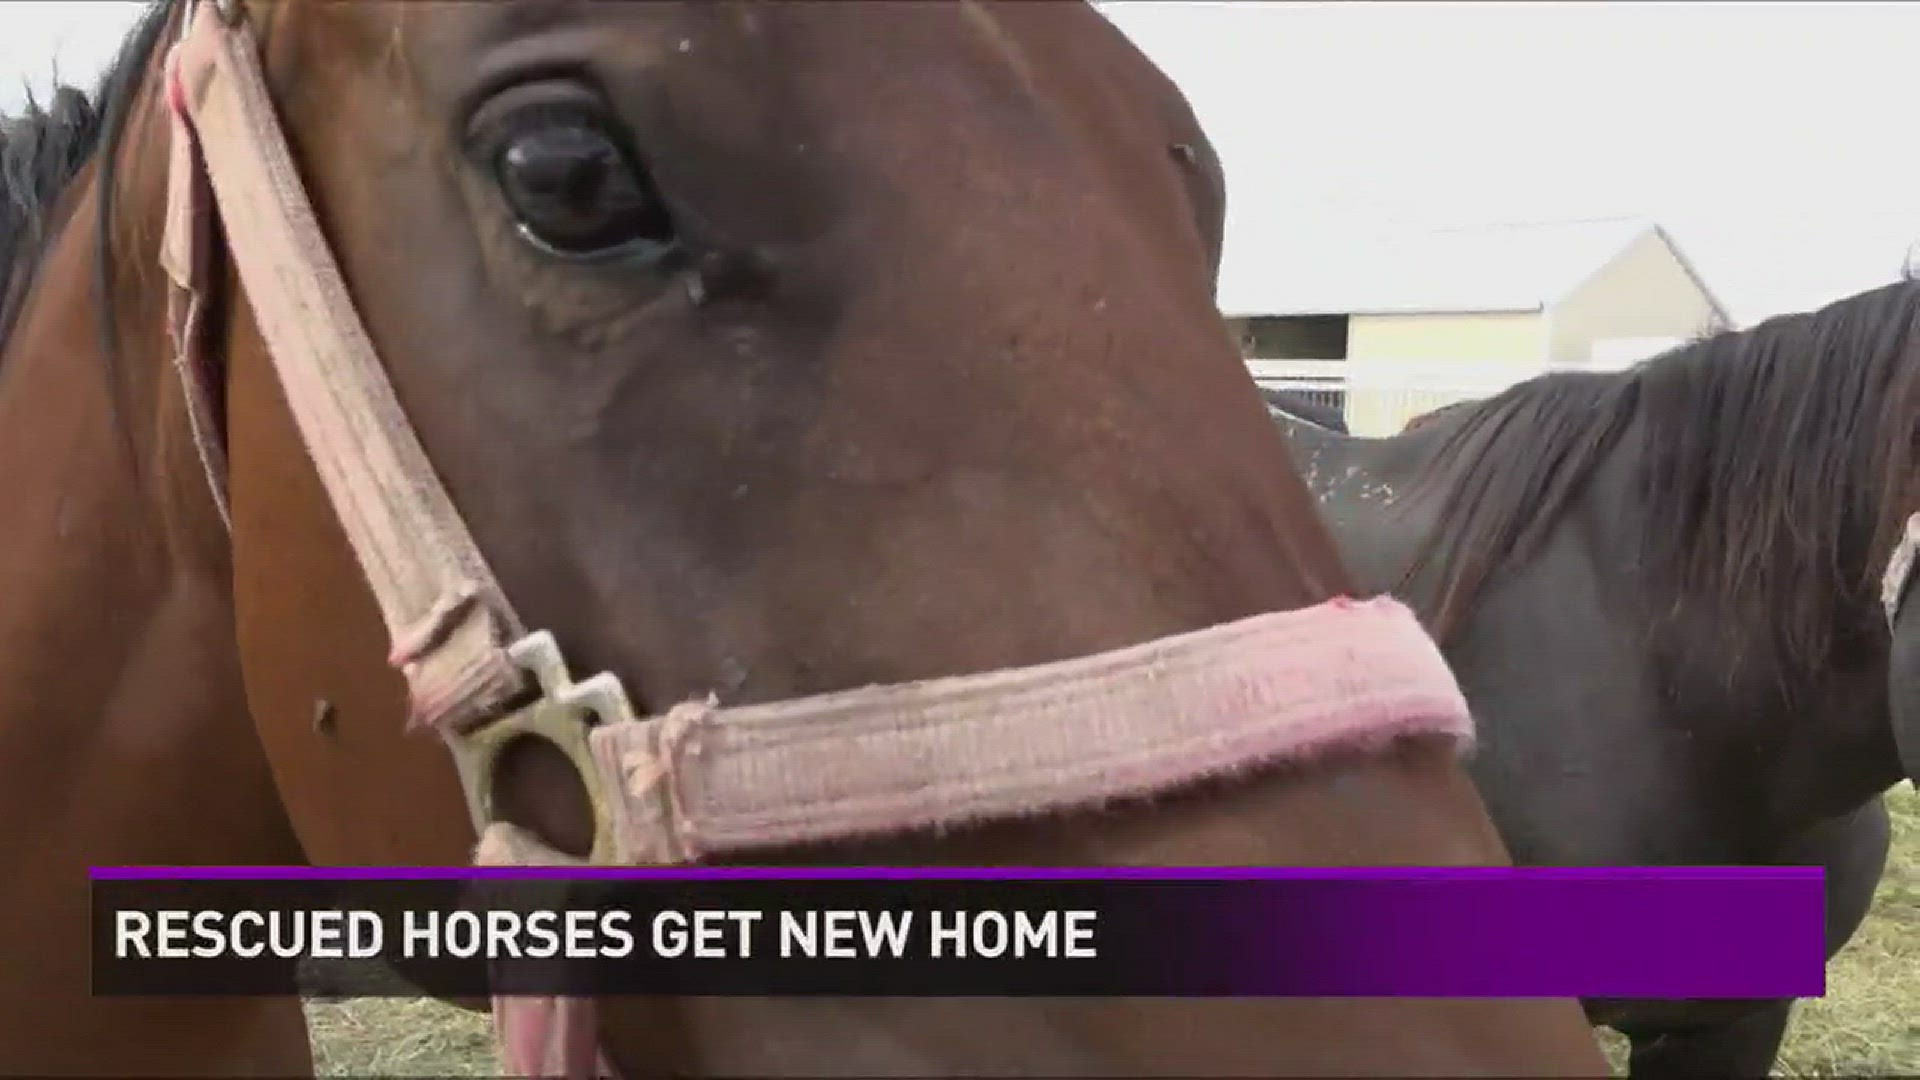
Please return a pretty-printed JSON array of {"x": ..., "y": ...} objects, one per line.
[
  {"x": 1813, "y": 738},
  {"x": 1805, "y": 748},
  {"x": 1842, "y": 739},
  {"x": 111, "y": 557}
]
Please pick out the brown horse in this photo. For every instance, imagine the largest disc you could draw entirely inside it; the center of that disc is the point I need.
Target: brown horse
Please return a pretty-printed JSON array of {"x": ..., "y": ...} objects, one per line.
[{"x": 767, "y": 349}]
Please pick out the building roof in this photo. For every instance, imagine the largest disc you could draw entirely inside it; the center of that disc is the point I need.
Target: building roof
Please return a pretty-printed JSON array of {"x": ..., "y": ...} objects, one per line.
[{"x": 1481, "y": 268}]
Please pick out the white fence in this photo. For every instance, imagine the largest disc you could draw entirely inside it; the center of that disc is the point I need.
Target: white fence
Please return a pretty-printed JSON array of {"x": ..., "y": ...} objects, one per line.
[{"x": 1378, "y": 398}]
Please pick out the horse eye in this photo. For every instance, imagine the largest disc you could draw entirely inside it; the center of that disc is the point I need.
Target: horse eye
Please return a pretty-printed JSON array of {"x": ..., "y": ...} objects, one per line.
[{"x": 576, "y": 193}]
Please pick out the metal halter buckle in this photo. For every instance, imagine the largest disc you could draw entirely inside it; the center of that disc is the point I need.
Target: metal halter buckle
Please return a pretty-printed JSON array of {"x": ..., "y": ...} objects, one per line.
[
  {"x": 1894, "y": 583},
  {"x": 564, "y": 716}
]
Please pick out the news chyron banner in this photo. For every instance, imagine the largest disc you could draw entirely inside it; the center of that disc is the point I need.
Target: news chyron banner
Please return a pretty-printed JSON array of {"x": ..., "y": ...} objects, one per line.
[{"x": 1460, "y": 932}]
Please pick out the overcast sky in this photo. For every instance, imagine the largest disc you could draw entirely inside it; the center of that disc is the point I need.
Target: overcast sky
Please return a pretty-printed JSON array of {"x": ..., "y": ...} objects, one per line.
[{"x": 1779, "y": 143}]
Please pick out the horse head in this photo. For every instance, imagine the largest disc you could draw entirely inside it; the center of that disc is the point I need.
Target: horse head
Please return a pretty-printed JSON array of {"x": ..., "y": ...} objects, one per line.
[{"x": 736, "y": 356}]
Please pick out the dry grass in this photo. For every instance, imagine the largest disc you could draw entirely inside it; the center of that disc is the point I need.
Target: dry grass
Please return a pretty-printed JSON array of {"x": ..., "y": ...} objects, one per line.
[
  {"x": 1861, "y": 1028},
  {"x": 399, "y": 1037}
]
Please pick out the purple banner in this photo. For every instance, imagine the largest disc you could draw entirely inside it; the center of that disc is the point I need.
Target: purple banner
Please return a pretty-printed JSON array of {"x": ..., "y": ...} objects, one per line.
[{"x": 1185, "y": 932}]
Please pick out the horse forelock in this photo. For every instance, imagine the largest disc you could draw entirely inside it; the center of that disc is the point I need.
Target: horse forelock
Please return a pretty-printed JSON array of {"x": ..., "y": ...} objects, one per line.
[{"x": 1777, "y": 464}]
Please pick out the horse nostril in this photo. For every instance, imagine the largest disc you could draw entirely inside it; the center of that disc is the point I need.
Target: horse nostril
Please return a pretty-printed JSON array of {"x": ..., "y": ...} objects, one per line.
[{"x": 536, "y": 787}]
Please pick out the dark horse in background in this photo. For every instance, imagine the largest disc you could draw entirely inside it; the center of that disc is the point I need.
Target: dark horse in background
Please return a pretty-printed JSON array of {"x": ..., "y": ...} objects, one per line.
[
  {"x": 1433, "y": 416},
  {"x": 1658, "y": 588},
  {"x": 767, "y": 349}
]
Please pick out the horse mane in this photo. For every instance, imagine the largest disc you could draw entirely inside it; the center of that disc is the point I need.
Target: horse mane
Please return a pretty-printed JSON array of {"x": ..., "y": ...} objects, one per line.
[
  {"x": 1775, "y": 461},
  {"x": 1431, "y": 415},
  {"x": 40, "y": 151},
  {"x": 44, "y": 147}
]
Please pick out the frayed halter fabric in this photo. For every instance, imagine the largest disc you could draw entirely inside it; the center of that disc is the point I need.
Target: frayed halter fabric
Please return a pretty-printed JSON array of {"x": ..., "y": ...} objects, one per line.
[
  {"x": 1273, "y": 688},
  {"x": 703, "y": 780}
]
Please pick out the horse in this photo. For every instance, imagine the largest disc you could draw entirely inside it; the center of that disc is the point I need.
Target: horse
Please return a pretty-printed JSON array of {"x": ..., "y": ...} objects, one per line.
[
  {"x": 1301, "y": 407},
  {"x": 1658, "y": 589},
  {"x": 758, "y": 352},
  {"x": 1431, "y": 415}
]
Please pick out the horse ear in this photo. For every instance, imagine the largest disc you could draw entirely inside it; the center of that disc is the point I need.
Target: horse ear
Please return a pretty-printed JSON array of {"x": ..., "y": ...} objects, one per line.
[{"x": 1903, "y": 689}]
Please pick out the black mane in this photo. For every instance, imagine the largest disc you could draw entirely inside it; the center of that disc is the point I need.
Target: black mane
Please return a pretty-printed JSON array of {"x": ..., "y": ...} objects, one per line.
[
  {"x": 45, "y": 146},
  {"x": 40, "y": 151},
  {"x": 1777, "y": 460}
]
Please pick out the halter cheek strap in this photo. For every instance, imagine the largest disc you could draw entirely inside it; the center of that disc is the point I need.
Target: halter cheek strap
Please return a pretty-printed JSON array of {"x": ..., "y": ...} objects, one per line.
[
  {"x": 1893, "y": 584},
  {"x": 443, "y": 609},
  {"x": 186, "y": 255}
]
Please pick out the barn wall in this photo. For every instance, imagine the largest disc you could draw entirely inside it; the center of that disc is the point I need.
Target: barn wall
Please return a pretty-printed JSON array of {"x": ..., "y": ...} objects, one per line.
[
  {"x": 1645, "y": 292},
  {"x": 1292, "y": 337},
  {"x": 1400, "y": 366},
  {"x": 1498, "y": 337}
]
